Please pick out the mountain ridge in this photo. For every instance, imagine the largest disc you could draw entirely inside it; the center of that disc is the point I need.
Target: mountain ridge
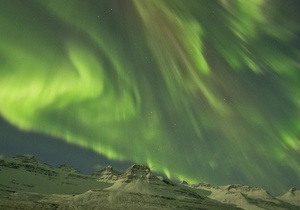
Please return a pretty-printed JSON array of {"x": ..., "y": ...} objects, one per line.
[{"x": 28, "y": 183}]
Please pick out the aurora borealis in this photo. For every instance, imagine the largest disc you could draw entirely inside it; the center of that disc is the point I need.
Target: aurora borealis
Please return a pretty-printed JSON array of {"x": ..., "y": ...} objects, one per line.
[{"x": 201, "y": 90}]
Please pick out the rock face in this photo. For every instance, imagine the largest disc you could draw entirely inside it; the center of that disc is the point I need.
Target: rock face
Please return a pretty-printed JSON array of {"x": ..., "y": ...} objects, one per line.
[
  {"x": 28, "y": 183},
  {"x": 68, "y": 168},
  {"x": 107, "y": 174},
  {"x": 28, "y": 163},
  {"x": 28, "y": 174},
  {"x": 184, "y": 182},
  {"x": 203, "y": 185},
  {"x": 137, "y": 172}
]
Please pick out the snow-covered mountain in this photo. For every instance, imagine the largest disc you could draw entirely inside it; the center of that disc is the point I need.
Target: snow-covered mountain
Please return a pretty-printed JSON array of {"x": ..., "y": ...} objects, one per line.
[
  {"x": 27, "y": 183},
  {"x": 107, "y": 174}
]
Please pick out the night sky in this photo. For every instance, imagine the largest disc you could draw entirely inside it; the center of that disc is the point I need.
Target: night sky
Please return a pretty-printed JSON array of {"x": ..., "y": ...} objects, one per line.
[{"x": 200, "y": 90}]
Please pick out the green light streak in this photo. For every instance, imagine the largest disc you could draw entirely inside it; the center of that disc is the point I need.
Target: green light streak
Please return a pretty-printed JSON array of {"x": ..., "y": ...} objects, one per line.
[{"x": 192, "y": 89}]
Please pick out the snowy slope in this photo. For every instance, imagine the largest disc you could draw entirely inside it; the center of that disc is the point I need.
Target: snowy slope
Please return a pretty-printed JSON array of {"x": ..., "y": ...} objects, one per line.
[
  {"x": 27, "y": 183},
  {"x": 245, "y": 197},
  {"x": 292, "y": 197},
  {"x": 25, "y": 173}
]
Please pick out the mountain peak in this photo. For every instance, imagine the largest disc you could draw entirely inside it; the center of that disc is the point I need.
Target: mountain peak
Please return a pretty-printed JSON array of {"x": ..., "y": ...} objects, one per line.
[
  {"x": 68, "y": 168},
  {"x": 203, "y": 185},
  {"x": 107, "y": 174},
  {"x": 107, "y": 168},
  {"x": 25, "y": 156},
  {"x": 183, "y": 182},
  {"x": 26, "y": 180},
  {"x": 241, "y": 187},
  {"x": 137, "y": 172},
  {"x": 292, "y": 190}
]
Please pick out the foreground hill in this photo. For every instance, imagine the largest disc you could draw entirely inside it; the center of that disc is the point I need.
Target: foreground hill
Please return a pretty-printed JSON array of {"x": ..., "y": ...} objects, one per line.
[{"x": 27, "y": 183}]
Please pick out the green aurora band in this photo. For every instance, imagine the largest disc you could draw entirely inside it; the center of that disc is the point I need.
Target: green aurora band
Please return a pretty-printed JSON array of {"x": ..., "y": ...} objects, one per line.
[{"x": 201, "y": 90}]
